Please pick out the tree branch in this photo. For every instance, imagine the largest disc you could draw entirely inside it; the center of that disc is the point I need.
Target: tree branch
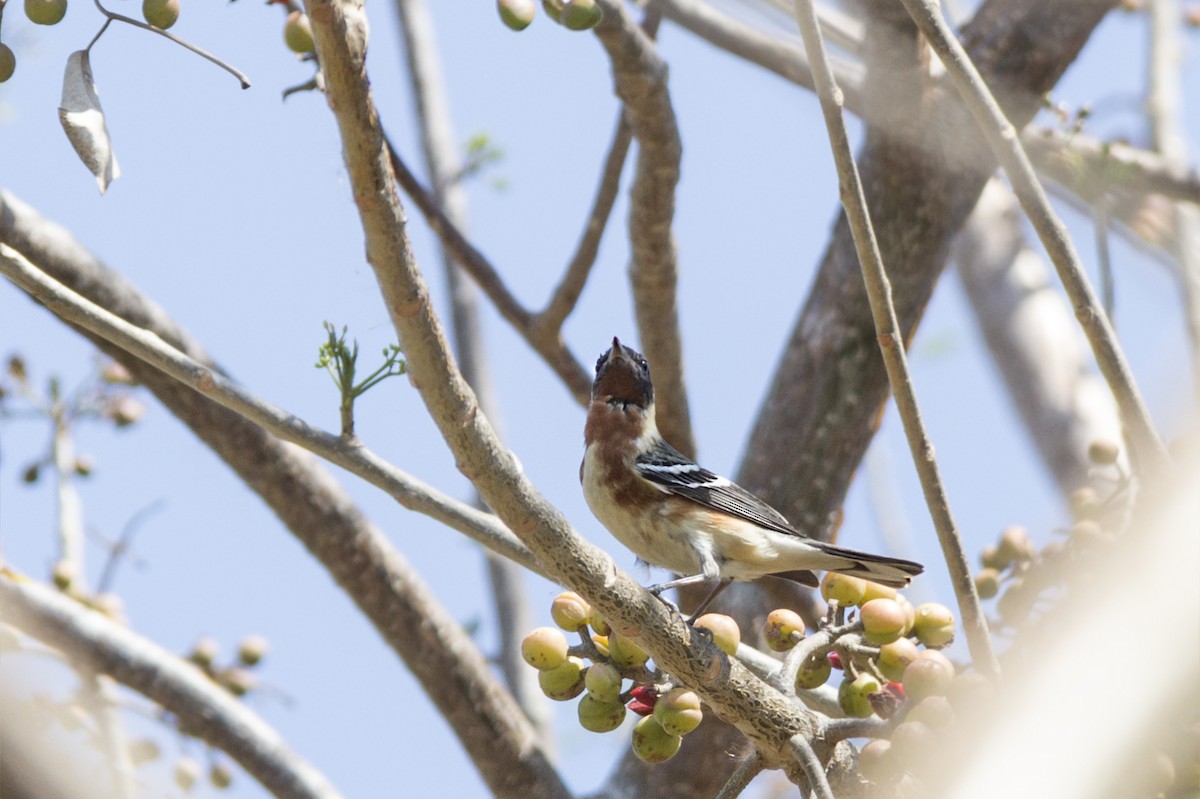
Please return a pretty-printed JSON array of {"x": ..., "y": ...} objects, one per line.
[
  {"x": 68, "y": 505},
  {"x": 204, "y": 708},
  {"x": 640, "y": 80},
  {"x": 772, "y": 53},
  {"x": 1001, "y": 136},
  {"x": 408, "y": 491},
  {"x": 879, "y": 293},
  {"x": 1089, "y": 165},
  {"x": 1055, "y": 153},
  {"x": 818, "y": 784},
  {"x": 1077, "y": 161}
]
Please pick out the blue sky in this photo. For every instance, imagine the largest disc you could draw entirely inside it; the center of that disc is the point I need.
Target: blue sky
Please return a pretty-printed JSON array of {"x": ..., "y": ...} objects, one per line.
[{"x": 234, "y": 213}]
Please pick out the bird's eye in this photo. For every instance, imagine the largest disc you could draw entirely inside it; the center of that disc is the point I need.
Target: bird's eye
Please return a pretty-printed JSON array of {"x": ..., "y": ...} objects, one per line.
[
  {"x": 642, "y": 363},
  {"x": 600, "y": 362}
]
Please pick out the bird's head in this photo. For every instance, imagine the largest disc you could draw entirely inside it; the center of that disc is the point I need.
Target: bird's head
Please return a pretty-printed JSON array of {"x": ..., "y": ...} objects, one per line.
[{"x": 623, "y": 378}]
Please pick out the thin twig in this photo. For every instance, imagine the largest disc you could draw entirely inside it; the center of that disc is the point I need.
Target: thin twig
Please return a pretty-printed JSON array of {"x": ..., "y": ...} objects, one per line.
[
  {"x": 819, "y": 643},
  {"x": 457, "y": 243},
  {"x": 1006, "y": 146},
  {"x": 120, "y": 548},
  {"x": 69, "y": 508},
  {"x": 232, "y": 70},
  {"x": 207, "y": 710},
  {"x": 408, "y": 491},
  {"x": 566, "y": 294},
  {"x": 759, "y": 662},
  {"x": 891, "y": 344},
  {"x": 551, "y": 346},
  {"x": 822, "y": 699},
  {"x": 312, "y": 84},
  {"x": 870, "y": 727},
  {"x": 107, "y": 21}
]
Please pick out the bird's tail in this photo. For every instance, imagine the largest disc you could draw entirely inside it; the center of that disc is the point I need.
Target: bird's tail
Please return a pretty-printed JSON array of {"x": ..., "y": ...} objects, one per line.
[{"x": 894, "y": 572}]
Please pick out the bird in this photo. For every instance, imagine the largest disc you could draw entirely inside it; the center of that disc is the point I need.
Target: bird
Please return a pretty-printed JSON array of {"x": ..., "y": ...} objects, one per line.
[{"x": 673, "y": 513}]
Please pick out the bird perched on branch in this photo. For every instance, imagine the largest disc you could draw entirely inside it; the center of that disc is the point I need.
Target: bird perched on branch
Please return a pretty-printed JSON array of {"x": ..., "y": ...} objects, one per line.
[{"x": 676, "y": 514}]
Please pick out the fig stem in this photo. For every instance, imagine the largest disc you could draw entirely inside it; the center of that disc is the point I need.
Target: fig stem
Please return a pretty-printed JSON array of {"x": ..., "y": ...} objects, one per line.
[{"x": 112, "y": 15}]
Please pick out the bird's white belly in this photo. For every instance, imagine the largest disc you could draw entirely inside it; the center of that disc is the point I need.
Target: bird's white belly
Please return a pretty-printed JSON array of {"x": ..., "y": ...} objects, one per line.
[{"x": 648, "y": 533}]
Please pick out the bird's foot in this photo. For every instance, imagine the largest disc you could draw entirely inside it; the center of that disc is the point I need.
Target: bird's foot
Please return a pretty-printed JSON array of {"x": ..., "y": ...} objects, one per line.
[{"x": 658, "y": 590}]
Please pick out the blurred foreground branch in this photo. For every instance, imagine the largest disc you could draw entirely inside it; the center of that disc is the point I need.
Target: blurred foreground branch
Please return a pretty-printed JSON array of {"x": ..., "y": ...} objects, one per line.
[
  {"x": 204, "y": 708},
  {"x": 1011, "y": 750}
]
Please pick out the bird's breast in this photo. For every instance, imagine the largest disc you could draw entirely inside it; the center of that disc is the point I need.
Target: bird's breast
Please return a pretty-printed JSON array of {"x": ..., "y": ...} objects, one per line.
[{"x": 640, "y": 515}]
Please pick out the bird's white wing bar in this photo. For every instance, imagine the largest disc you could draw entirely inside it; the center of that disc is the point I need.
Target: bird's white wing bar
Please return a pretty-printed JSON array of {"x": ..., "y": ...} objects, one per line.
[{"x": 668, "y": 468}]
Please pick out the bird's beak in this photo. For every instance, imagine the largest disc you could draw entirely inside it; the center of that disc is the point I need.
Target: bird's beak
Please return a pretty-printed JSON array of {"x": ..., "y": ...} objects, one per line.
[{"x": 618, "y": 351}]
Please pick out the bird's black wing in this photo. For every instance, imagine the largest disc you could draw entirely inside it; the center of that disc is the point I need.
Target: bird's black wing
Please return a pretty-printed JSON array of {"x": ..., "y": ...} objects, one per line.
[{"x": 673, "y": 471}]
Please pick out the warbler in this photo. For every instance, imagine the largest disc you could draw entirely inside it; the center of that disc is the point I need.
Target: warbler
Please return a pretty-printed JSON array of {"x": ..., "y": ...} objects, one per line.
[{"x": 675, "y": 514}]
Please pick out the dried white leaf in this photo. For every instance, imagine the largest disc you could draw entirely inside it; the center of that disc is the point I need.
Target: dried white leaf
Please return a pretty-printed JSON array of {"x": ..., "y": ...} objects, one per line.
[{"x": 83, "y": 120}]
